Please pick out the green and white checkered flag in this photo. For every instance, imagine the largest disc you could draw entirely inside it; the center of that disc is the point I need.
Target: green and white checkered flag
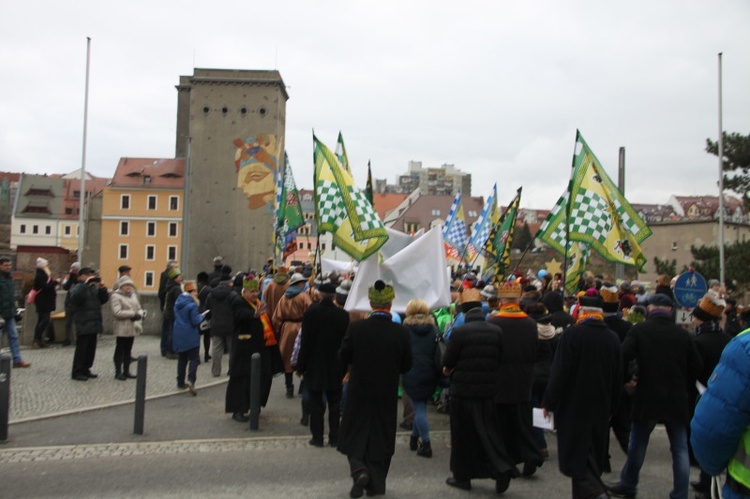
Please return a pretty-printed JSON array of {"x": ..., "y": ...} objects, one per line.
[{"x": 343, "y": 209}]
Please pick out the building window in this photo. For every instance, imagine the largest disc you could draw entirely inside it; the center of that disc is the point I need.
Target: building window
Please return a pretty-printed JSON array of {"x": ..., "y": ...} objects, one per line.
[
  {"x": 68, "y": 211},
  {"x": 124, "y": 228},
  {"x": 152, "y": 202},
  {"x": 150, "y": 252},
  {"x": 151, "y": 229},
  {"x": 149, "y": 279},
  {"x": 171, "y": 252},
  {"x": 125, "y": 202},
  {"x": 172, "y": 229},
  {"x": 66, "y": 230},
  {"x": 35, "y": 229},
  {"x": 323, "y": 247},
  {"x": 23, "y": 228},
  {"x": 47, "y": 230},
  {"x": 123, "y": 251},
  {"x": 147, "y": 179},
  {"x": 174, "y": 203},
  {"x": 77, "y": 194}
]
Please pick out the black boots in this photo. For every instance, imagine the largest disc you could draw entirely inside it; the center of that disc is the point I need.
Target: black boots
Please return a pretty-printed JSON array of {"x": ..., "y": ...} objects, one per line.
[
  {"x": 126, "y": 370},
  {"x": 288, "y": 377},
  {"x": 424, "y": 449},
  {"x": 413, "y": 443},
  {"x": 118, "y": 371}
]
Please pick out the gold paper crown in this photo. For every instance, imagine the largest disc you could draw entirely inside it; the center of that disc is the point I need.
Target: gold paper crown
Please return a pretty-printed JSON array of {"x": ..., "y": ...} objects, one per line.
[
  {"x": 508, "y": 289},
  {"x": 610, "y": 295},
  {"x": 470, "y": 295},
  {"x": 712, "y": 304}
]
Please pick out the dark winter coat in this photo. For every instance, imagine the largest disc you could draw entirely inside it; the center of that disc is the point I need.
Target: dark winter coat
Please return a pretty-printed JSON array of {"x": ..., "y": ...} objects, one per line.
[
  {"x": 583, "y": 392},
  {"x": 619, "y": 325},
  {"x": 545, "y": 354},
  {"x": 221, "y": 301},
  {"x": 163, "y": 281},
  {"x": 377, "y": 351},
  {"x": 474, "y": 352},
  {"x": 187, "y": 318},
  {"x": 174, "y": 289},
  {"x": 7, "y": 296},
  {"x": 516, "y": 373},
  {"x": 668, "y": 365},
  {"x": 87, "y": 301},
  {"x": 710, "y": 341},
  {"x": 46, "y": 297},
  {"x": 421, "y": 380},
  {"x": 323, "y": 328}
]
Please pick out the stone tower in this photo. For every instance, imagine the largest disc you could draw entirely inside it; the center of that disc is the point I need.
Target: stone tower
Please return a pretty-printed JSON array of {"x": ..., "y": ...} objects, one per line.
[{"x": 230, "y": 124}]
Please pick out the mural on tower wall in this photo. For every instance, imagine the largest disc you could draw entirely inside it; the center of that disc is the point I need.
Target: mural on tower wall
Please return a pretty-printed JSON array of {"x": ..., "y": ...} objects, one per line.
[{"x": 256, "y": 162}]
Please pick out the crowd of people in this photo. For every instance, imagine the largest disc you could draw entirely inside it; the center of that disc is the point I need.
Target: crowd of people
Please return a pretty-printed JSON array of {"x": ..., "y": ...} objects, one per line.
[{"x": 610, "y": 356}]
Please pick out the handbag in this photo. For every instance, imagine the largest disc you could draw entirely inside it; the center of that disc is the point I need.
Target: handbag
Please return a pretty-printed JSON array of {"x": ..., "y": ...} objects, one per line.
[{"x": 31, "y": 297}]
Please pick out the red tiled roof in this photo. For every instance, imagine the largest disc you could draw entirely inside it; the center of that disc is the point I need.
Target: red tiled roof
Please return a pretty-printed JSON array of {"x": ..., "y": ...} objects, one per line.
[
  {"x": 385, "y": 202},
  {"x": 164, "y": 173}
]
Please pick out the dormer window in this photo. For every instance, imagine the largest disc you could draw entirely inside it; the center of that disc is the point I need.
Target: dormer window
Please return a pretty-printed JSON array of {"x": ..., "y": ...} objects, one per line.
[{"x": 147, "y": 179}]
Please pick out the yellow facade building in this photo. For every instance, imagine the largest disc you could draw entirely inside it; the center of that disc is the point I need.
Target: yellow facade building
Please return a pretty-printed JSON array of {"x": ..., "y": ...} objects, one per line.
[{"x": 141, "y": 223}]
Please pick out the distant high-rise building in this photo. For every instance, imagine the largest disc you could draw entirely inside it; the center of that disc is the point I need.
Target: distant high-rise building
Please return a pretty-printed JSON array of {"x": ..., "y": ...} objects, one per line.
[{"x": 445, "y": 180}]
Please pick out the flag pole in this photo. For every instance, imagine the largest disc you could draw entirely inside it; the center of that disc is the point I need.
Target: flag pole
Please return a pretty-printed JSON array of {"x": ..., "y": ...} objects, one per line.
[
  {"x": 82, "y": 193},
  {"x": 567, "y": 209},
  {"x": 721, "y": 184}
]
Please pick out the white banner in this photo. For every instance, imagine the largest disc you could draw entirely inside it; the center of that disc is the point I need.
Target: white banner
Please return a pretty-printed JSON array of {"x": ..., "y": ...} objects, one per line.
[{"x": 417, "y": 270}]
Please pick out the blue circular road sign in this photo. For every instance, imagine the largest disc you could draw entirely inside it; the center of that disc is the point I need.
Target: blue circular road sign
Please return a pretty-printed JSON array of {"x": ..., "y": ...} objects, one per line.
[{"x": 689, "y": 289}]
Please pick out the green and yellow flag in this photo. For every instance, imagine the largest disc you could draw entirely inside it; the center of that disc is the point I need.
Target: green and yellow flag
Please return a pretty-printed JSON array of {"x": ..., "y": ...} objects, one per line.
[
  {"x": 498, "y": 245},
  {"x": 343, "y": 209},
  {"x": 595, "y": 212}
]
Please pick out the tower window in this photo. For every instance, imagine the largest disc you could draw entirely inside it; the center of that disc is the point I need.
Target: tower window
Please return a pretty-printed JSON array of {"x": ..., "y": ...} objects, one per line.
[
  {"x": 206, "y": 109},
  {"x": 262, "y": 111},
  {"x": 243, "y": 110},
  {"x": 224, "y": 110}
]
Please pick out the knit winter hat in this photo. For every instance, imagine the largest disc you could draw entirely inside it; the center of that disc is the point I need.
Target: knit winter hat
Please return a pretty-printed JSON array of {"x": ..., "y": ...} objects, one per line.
[
  {"x": 174, "y": 272},
  {"x": 41, "y": 263},
  {"x": 380, "y": 292}
]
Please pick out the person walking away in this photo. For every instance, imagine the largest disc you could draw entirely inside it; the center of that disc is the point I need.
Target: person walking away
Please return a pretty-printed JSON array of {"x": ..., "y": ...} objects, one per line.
[
  {"x": 164, "y": 279},
  {"x": 472, "y": 360},
  {"x": 252, "y": 334},
  {"x": 71, "y": 279},
  {"x": 516, "y": 378},
  {"x": 287, "y": 320},
  {"x": 220, "y": 305},
  {"x": 710, "y": 340},
  {"x": 87, "y": 298},
  {"x": 173, "y": 291},
  {"x": 45, "y": 301},
  {"x": 205, "y": 327},
  {"x": 583, "y": 392},
  {"x": 186, "y": 338},
  {"x": 668, "y": 364},
  {"x": 126, "y": 309},
  {"x": 8, "y": 311},
  {"x": 323, "y": 328},
  {"x": 720, "y": 429},
  {"x": 422, "y": 379},
  {"x": 375, "y": 351}
]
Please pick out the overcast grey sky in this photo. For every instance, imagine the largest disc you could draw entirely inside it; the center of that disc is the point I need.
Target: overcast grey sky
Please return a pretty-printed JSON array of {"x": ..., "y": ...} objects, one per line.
[{"x": 495, "y": 88}]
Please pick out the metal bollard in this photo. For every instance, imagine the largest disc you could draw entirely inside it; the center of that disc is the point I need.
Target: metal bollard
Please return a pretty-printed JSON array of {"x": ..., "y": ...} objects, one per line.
[
  {"x": 140, "y": 394},
  {"x": 254, "y": 391},
  {"x": 4, "y": 396}
]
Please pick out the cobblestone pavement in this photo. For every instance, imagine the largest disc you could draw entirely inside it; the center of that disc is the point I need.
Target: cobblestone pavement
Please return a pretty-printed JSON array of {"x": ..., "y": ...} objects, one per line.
[{"x": 46, "y": 388}]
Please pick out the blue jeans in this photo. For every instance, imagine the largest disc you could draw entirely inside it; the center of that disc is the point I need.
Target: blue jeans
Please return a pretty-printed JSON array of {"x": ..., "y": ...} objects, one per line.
[
  {"x": 420, "y": 428},
  {"x": 10, "y": 328},
  {"x": 640, "y": 431}
]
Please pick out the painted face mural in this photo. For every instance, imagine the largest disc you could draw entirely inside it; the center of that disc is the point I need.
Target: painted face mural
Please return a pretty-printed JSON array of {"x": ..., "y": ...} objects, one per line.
[{"x": 256, "y": 162}]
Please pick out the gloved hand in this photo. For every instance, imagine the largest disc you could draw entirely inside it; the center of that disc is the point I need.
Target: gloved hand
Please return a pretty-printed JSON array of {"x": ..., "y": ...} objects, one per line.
[{"x": 136, "y": 317}]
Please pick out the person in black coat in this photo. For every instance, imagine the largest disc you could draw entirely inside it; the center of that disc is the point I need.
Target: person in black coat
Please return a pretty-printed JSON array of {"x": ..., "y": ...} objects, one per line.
[
  {"x": 70, "y": 280},
  {"x": 583, "y": 391},
  {"x": 44, "y": 302},
  {"x": 376, "y": 351},
  {"x": 553, "y": 301},
  {"x": 323, "y": 327},
  {"x": 516, "y": 377},
  {"x": 710, "y": 341},
  {"x": 422, "y": 379},
  {"x": 173, "y": 291},
  {"x": 166, "y": 338},
  {"x": 87, "y": 298},
  {"x": 668, "y": 364},
  {"x": 220, "y": 303},
  {"x": 472, "y": 360}
]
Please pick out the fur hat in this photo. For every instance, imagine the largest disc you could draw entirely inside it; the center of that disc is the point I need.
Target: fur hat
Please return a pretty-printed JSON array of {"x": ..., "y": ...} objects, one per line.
[
  {"x": 710, "y": 307},
  {"x": 509, "y": 289},
  {"x": 380, "y": 292},
  {"x": 41, "y": 263}
]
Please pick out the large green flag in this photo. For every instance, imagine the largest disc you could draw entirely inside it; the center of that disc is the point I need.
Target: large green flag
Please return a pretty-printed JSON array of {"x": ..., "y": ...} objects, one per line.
[
  {"x": 498, "y": 245},
  {"x": 289, "y": 215},
  {"x": 343, "y": 209},
  {"x": 341, "y": 154},
  {"x": 595, "y": 212}
]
